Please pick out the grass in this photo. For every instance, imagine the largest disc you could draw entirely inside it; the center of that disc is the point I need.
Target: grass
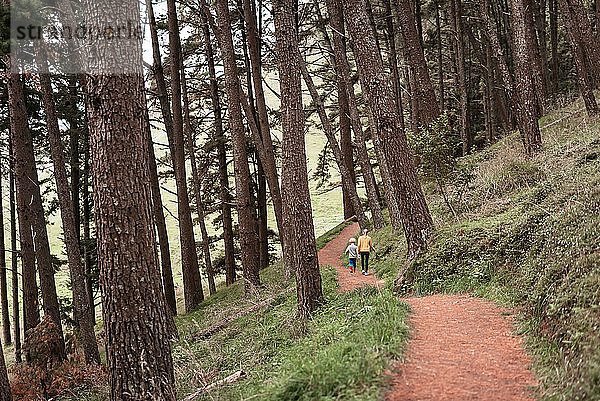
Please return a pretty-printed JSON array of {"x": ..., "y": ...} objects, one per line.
[
  {"x": 342, "y": 352},
  {"x": 528, "y": 237}
]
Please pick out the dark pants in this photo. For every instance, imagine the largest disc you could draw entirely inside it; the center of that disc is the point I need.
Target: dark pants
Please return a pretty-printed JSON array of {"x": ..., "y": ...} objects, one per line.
[{"x": 364, "y": 261}]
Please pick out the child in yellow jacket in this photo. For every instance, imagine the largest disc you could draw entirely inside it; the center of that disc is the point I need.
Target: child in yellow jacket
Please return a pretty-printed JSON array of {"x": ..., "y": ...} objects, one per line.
[{"x": 365, "y": 245}]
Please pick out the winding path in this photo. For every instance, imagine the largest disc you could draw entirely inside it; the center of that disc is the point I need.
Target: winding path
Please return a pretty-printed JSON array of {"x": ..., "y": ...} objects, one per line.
[{"x": 461, "y": 349}]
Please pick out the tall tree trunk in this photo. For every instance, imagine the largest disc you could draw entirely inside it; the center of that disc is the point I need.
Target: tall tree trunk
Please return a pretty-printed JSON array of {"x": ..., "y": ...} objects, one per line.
[
  {"x": 263, "y": 230},
  {"x": 536, "y": 68},
  {"x": 3, "y": 279},
  {"x": 74, "y": 149},
  {"x": 438, "y": 27},
  {"x": 20, "y": 136},
  {"x": 161, "y": 227},
  {"x": 344, "y": 114},
  {"x": 554, "y": 44},
  {"x": 336, "y": 17},
  {"x": 189, "y": 258},
  {"x": 247, "y": 228},
  {"x": 13, "y": 258},
  {"x": 461, "y": 74},
  {"x": 540, "y": 27},
  {"x": 159, "y": 76},
  {"x": 393, "y": 57},
  {"x": 5, "y": 394},
  {"x": 422, "y": 89},
  {"x": 87, "y": 218},
  {"x": 230, "y": 275},
  {"x": 591, "y": 46},
  {"x": 586, "y": 88},
  {"x": 417, "y": 222},
  {"x": 268, "y": 158},
  {"x": 196, "y": 181},
  {"x": 295, "y": 191},
  {"x": 138, "y": 349},
  {"x": 67, "y": 214},
  {"x": 523, "y": 53},
  {"x": 333, "y": 143}
]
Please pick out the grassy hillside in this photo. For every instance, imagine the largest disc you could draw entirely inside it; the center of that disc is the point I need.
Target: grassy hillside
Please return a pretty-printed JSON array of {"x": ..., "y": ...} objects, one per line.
[{"x": 528, "y": 237}]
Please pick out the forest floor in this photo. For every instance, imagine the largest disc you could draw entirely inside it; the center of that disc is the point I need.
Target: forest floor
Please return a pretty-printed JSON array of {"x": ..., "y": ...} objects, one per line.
[{"x": 461, "y": 347}]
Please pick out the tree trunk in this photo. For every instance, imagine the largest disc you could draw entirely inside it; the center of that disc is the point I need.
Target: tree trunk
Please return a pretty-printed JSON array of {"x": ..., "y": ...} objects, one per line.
[
  {"x": 540, "y": 27},
  {"x": 344, "y": 114},
  {"x": 3, "y": 280},
  {"x": 5, "y": 394},
  {"x": 295, "y": 191},
  {"x": 523, "y": 54},
  {"x": 67, "y": 214},
  {"x": 87, "y": 217},
  {"x": 13, "y": 258},
  {"x": 263, "y": 230},
  {"x": 230, "y": 274},
  {"x": 74, "y": 150},
  {"x": 422, "y": 89},
  {"x": 417, "y": 222},
  {"x": 440, "y": 60},
  {"x": 591, "y": 46},
  {"x": 247, "y": 228},
  {"x": 268, "y": 158},
  {"x": 393, "y": 58},
  {"x": 159, "y": 215},
  {"x": 20, "y": 136},
  {"x": 335, "y": 147},
  {"x": 189, "y": 258},
  {"x": 336, "y": 17},
  {"x": 196, "y": 181},
  {"x": 138, "y": 349},
  {"x": 586, "y": 88},
  {"x": 161, "y": 228},
  {"x": 461, "y": 72},
  {"x": 554, "y": 44},
  {"x": 159, "y": 76}
]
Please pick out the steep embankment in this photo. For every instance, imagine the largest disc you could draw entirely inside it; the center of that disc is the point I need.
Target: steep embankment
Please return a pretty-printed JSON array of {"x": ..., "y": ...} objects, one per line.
[{"x": 528, "y": 237}]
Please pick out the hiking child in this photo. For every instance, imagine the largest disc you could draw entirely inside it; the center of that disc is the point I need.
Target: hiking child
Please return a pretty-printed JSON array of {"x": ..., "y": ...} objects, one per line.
[
  {"x": 352, "y": 252},
  {"x": 365, "y": 245}
]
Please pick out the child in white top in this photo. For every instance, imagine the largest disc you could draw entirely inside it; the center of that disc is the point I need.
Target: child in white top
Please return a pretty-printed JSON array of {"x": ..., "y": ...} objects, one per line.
[{"x": 352, "y": 252}]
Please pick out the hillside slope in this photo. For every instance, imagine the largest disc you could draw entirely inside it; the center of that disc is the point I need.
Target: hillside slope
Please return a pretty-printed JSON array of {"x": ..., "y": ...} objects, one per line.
[{"x": 528, "y": 237}]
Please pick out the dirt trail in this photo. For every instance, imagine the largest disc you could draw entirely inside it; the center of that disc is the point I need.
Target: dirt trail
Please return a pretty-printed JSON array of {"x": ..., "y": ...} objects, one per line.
[
  {"x": 330, "y": 255},
  {"x": 461, "y": 349}
]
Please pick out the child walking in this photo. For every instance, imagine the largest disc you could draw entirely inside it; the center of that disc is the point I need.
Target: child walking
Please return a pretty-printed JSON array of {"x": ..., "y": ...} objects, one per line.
[{"x": 352, "y": 252}]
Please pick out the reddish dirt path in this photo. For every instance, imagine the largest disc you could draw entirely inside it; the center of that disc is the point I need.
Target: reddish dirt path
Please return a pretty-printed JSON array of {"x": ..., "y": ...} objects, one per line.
[
  {"x": 330, "y": 255},
  {"x": 462, "y": 348}
]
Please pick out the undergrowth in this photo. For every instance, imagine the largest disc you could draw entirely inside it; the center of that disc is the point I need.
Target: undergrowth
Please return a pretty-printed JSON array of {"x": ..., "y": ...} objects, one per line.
[{"x": 528, "y": 235}]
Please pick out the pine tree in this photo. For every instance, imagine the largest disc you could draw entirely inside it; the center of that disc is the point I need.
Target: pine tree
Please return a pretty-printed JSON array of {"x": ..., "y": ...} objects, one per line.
[{"x": 295, "y": 193}]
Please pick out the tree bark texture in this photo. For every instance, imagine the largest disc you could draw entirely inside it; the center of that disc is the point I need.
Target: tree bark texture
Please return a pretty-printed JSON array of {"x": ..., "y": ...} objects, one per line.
[
  {"x": 417, "y": 222},
  {"x": 525, "y": 85},
  {"x": 196, "y": 182},
  {"x": 21, "y": 140},
  {"x": 295, "y": 192},
  {"x": 5, "y": 394},
  {"x": 67, "y": 213},
  {"x": 584, "y": 83},
  {"x": 466, "y": 134},
  {"x": 247, "y": 228},
  {"x": 192, "y": 282},
  {"x": 335, "y": 11},
  {"x": 3, "y": 277},
  {"x": 422, "y": 89},
  {"x": 138, "y": 351},
  {"x": 265, "y": 143},
  {"x": 230, "y": 274},
  {"x": 13, "y": 259}
]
